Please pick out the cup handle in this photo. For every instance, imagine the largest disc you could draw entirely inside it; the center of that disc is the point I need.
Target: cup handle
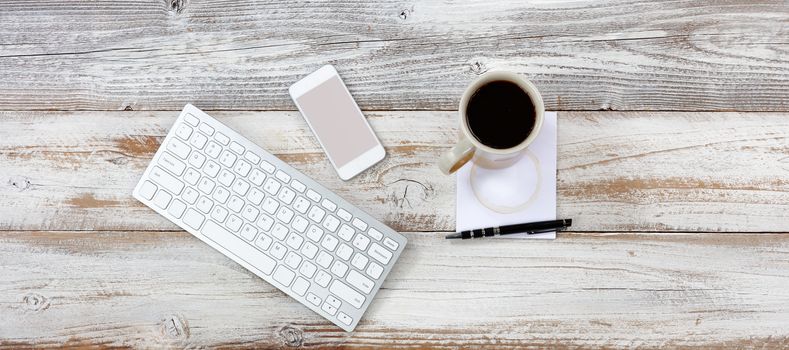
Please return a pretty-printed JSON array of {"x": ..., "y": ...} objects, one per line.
[{"x": 455, "y": 158}]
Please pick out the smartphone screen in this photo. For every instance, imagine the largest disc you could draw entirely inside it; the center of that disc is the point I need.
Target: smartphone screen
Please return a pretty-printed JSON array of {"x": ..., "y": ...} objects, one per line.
[{"x": 337, "y": 121}]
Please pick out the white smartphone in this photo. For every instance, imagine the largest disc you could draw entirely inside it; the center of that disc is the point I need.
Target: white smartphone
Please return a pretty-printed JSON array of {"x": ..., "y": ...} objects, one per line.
[{"x": 337, "y": 121}]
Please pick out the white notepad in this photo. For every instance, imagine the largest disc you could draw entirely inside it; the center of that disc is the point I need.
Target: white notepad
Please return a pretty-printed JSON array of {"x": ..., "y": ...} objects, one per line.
[{"x": 484, "y": 202}]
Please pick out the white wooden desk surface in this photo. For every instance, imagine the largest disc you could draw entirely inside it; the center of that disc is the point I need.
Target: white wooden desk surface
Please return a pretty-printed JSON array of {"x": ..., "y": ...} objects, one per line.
[{"x": 673, "y": 163}]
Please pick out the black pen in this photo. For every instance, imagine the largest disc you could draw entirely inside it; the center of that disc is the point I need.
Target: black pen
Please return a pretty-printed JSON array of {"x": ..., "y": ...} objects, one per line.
[{"x": 527, "y": 228}]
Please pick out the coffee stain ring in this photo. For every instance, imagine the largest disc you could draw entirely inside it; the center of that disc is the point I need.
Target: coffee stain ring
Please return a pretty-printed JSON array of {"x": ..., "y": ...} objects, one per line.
[{"x": 503, "y": 209}]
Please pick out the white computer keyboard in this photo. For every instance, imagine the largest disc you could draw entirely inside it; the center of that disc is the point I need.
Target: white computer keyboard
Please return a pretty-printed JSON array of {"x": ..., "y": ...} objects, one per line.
[{"x": 269, "y": 217}]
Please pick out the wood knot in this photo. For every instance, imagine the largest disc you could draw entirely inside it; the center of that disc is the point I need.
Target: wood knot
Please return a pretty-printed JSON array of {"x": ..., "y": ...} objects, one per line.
[
  {"x": 128, "y": 108},
  {"x": 478, "y": 68},
  {"x": 176, "y": 6},
  {"x": 35, "y": 302},
  {"x": 20, "y": 183},
  {"x": 404, "y": 14},
  {"x": 406, "y": 190},
  {"x": 291, "y": 336},
  {"x": 173, "y": 327}
]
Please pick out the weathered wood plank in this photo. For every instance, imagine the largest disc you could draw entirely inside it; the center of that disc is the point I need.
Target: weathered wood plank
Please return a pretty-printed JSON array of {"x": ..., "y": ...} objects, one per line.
[
  {"x": 613, "y": 290},
  {"x": 413, "y": 55},
  {"x": 617, "y": 171}
]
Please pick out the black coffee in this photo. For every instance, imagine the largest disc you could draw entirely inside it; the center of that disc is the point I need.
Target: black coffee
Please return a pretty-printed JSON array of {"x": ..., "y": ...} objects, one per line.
[{"x": 500, "y": 114}]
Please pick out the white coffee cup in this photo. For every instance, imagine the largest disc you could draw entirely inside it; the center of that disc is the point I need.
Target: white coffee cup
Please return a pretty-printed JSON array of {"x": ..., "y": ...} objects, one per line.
[{"x": 470, "y": 148}]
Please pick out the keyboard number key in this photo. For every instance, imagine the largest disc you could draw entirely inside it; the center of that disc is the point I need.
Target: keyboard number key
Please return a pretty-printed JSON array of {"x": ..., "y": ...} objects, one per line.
[
  {"x": 361, "y": 242},
  {"x": 272, "y": 186}
]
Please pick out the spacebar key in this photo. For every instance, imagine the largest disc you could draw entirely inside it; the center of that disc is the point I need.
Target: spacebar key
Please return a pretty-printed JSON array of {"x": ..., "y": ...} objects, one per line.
[{"x": 239, "y": 248}]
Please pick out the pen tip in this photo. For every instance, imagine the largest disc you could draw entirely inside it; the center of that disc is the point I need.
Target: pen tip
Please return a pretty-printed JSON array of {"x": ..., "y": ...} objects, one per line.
[{"x": 453, "y": 236}]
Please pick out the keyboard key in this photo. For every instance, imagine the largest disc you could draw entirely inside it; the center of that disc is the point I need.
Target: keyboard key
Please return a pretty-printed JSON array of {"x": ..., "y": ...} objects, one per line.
[
  {"x": 248, "y": 232},
  {"x": 375, "y": 234},
  {"x": 211, "y": 168},
  {"x": 265, "y": 222},
  {"x": 204, "y": 204},
  {"x": 284, "y": 214},
  {"x": 147, "y": 190},
  {"x": 162, "y": 199},
  {"x": 191, "y": 119},
  {"x": 164, "y": 179},
  {"x": 219, "y": 214},
  {"x": 314, "y": 196},
  {"x": 346, "y": 293},
  {"x": 390, "y": 243},
  {"x": 261, "y": 261},
  {"x": 300, "y": 286},
  {"x": 177, "y": 208},
  {"x": 257, "y": 177},
  {"x": 206, "y": 129},
  {"x": 361, "y": 242},
  {"x": 331, "y": 310},
  {"x": 279, "y": 231},
  {"x": 271, "y": 186},
  {"x": 298, "y": 186},
  {"x": 193, "y": 219},
  {"x": 339, "y": 268},
  {"x": 344, "y": 252},
  {"x": 346, "y": 232},
  {"x": 308, "y": 269},
  {"x": 309, "y": 250},
  {"x": 264, "y": 241},
  {"x": 374, "y": 270},
  {"x": 359, "y": 224},
  {"x": 253, "y": 158},
  {"x": 294, "y": 240},
  {"x": 206, "y": 185},
  {"x": 283, "y": 275},
  {"x": 241, "y": 187},
  {"x": 234, "y": 223},
  {"x": 344, "y": 214},
  {"x": 198, "y": 141},
  {"x": 222, "y": 138},
  {"x": 226, "y": 177},
  {"x": 192, "y": 176},
  {"x": 255, "y": 196},
  {"x": 213, "y": 149},
  {"x": 313, "y": 299},
  {"x": 282, "y": 176},
  {"x": 301, "y": 204},
  {"x": 242, "y": 168},
  {"x": 329, "y": 205},
  {"x": 299, "y": 224},
  {"x": 286, "y": 195},
  {"x": 347, "y": 320},
  {"x": 329, "y": 242},
  {"x": 221, "y": 194},
  {"x": 359, "y": 261},
  {"x": 190, "y": 195},
  {"x": 250, "y": 213},
  {"x": 227, "y": 158},
  {"x": 270, "y": 205},
  {"x": 236, "y": 147},
  {"x": 278, "y": 251},
  {"x": 322, "y": 278},
  {"x": 293, "y": 260},
  {"x": 361, "y": 283},
  {"x": 172, "y": 164},
  {"x": 324, "y": 259},
  {"x": 197, "y": 159},
  {"x": 314, "y": 233},
  {"x": 380, "y": 253},
  {"x": 235, "y": 204},
  {"x": 316, "y": 214},
  {"x": 267, "y": 167},
  {"x": 178, "y": 148},
  {"x": 331, "y": 223}
]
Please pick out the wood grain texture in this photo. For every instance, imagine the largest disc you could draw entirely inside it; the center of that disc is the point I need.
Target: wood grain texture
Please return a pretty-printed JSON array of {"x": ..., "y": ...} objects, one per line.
[
  {"x": 157, "y": 289},
  {"x": 408, "y": 55},
  {"x": 617, "y": 171}
]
